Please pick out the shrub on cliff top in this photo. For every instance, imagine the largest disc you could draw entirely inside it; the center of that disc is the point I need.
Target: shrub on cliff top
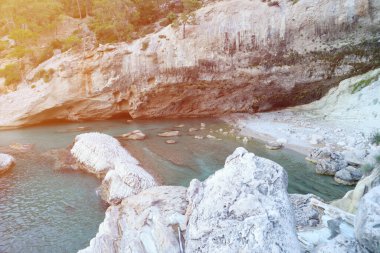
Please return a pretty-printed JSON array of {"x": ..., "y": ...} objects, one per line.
[
  {"x": 12, "y": 73},
  {"x": 375, "y": 139}
]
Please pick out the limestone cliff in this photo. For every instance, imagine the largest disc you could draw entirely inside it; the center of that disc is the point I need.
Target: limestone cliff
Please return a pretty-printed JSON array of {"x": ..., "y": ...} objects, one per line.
[{"x": 239, "y": 56}]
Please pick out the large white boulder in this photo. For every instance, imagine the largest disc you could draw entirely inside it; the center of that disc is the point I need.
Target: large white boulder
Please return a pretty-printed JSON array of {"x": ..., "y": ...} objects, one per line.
[
  {"x": 243, "y": 207},
  {"x": 145, "y": 223},
  {"x": 6, "y": 162},
  {"x": 367, "y": 221},
  {"x": 102, "y": 154}
]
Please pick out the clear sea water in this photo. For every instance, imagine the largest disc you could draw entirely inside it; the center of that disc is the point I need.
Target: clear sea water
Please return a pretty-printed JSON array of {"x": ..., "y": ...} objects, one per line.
[{"x": 47, "y": 210}]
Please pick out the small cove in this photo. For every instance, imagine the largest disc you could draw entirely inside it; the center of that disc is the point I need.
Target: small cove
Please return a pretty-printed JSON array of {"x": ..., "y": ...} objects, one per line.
[{"x": 43, "y": 210}]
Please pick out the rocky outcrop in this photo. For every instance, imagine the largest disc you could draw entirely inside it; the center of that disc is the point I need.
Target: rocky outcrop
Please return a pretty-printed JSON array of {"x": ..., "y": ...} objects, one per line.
[
  {"x": 339, "y": 244},
  {"x": 239, "y": 56},
  {"x": 145, "y": 223},
  {"x": 348, "y": 176},
  {"x": 367, "y": 221},
  {"x": 351, "y": 200},
  {"x": 6, "y": 162},
  {"x": 103, "y": 155},
  {"x": 327, "y": 161},
  {"x": 305, "y": 213},
  {"x": 243, "y": 207}
]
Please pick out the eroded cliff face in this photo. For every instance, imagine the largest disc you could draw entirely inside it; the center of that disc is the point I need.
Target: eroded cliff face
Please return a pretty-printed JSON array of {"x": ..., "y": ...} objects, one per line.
[{"x": 239, "y": 56}]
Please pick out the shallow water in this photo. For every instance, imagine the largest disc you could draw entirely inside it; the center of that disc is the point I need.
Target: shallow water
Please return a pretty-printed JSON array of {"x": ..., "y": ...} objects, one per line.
[{"x": 42, "y": 210}]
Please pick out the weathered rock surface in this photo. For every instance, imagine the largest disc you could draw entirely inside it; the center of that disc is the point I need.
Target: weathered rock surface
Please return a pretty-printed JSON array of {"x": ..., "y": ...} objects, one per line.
[
  {"x": 6, "y": 162},
  {"x": 334, "y": 232},
  {"x": 134, "y": 135},
  {"x": 348, "y": 176},
  {"x": 367, "y": 221},
  {"x": 339, "y": 244},
  {"x": 305, "y": 213},
  {"x": 242, "y": 208},
  {"x": 143, "y": 223},
  {"x": 103, "y": 155},
  {"x": 240, "y": 56},
  {"x": 350, "y": 201},
  {"x": 327, "y": 161}
]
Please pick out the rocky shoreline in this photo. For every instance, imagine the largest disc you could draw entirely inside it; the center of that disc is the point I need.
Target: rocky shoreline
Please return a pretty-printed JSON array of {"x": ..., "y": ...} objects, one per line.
[
  {"x": 334, "y": 132},
  {"x": 245, "y": 205}
]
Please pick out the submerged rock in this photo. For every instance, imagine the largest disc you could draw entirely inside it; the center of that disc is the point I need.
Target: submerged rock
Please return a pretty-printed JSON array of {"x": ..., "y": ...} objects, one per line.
[
  {"x": 243, "y": 207},
  {"x": 134, "y": 135},
  {"x": 367, "y": 221},
  {"x": 273, "y": 145},
  {"x": 169, "y": 134},
  {"x": 103, "y": 155},
  {"x": 145, "y": 223},
  {"x": 6, "y": 162},
  {"x": 21, "y": 147},
  {"x": 170, "y": 142}
]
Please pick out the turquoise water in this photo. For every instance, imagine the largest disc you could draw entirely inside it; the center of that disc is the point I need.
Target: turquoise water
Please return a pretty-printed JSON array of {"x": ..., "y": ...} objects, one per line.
[{"x": 43, "y": 210}]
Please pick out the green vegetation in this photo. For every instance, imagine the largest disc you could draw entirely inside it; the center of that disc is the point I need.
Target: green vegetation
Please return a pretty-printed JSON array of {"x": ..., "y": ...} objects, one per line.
[
  {"x": 364, "y": 83},
  {"x": 187, "y": 16},
  {"x": 144, "y": 45},
  {"x": 35, "y": 26},
  {"x": 367, "y": 169},
  {"x": 125, "y": 20},
  {"x": 45, "y": 75},
  {"x": 26, "y": 20},
  {"x": 375, "y": 139},
  {"x": 12, "y": 73},
  {"x": 18, "y": 52},
  {"x": 3, "y": 45}
]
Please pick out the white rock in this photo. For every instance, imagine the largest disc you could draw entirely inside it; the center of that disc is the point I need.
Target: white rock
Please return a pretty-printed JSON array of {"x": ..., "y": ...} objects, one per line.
[
  {"x": 102, "y": 155},
  {"x": 367, "y": 221},
  {"x": 273, "y": 145},
  {"x": 282, "y": 141},
  {"x": 339, "y": 244},
  {"x": 243, "y": 207},
  {"x": 143, "y": 223},
  {"x": 316, "y": 139},
  {"x": 6, "y": 162},
  {"x": 211, "y": 136}
]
